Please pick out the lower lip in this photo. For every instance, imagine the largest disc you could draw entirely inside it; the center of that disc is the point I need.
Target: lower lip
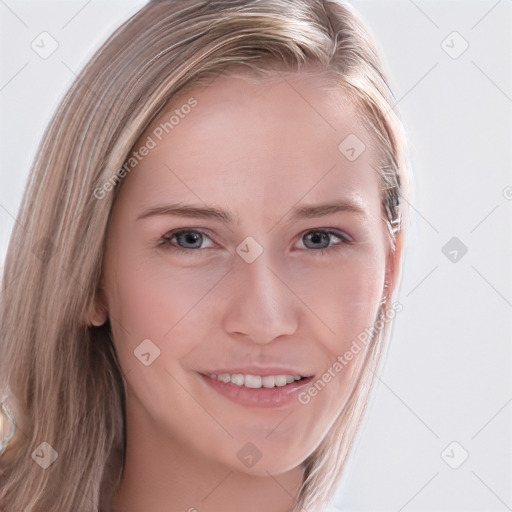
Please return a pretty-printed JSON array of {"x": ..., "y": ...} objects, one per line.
[{"x": 278, "y": 396}]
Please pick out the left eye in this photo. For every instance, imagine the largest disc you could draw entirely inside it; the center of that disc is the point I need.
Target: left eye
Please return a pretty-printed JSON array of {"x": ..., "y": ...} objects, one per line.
[{"x": 324, "y": 238}]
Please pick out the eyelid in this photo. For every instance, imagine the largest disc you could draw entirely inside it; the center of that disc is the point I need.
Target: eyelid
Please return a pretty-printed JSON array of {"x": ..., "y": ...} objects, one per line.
[{"x": 337, "y": 232}]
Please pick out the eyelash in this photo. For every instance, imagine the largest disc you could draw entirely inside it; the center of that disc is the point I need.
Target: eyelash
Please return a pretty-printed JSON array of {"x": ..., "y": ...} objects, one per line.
[{"x": 166, "y": 241}]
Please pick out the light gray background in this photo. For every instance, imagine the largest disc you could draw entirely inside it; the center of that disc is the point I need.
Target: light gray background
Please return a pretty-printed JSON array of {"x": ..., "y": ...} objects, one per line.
[{"x": 447, "y": 374}]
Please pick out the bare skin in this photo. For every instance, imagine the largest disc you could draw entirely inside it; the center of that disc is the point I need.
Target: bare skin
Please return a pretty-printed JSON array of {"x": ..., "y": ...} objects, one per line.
[{"x": 258, "y": 152}]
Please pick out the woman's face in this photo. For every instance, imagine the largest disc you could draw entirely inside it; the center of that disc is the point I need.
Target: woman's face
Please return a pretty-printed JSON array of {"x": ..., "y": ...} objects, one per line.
[{"x": 245, "y": 240}]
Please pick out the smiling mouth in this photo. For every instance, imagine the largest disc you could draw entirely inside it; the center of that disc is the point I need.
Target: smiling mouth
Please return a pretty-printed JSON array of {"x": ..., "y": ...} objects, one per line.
[
  {"x": 250, "y": 390},
  {"x": 251, "y": 381}
]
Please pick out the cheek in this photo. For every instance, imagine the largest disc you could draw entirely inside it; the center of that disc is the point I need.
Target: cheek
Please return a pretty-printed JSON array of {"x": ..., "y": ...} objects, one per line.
[
  {"x": 150, "y": 298},
  {"x": 345, "y": 294}
]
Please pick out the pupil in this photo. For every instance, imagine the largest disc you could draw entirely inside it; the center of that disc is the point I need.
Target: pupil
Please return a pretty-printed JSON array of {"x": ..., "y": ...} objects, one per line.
[
  {"x": 319, "y": 237},
  {"x": 191, "y": 238}
]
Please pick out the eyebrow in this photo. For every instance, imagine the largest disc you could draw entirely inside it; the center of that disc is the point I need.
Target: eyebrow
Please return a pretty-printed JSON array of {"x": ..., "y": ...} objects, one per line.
[{"x": 225, "y": 216}]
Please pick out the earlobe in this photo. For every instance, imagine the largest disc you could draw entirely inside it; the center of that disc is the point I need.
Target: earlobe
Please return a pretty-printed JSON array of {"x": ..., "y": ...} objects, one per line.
[
  {"x": 99, "y": 314},
  {"x": 98, "y": 318}
]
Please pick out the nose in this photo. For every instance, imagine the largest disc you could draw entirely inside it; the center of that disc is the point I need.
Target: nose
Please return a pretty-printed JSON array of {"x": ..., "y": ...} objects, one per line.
[{"x": 261, "y": 306}]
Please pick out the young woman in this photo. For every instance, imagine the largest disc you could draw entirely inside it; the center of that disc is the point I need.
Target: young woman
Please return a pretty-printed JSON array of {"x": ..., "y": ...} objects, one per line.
[{"x": 199, "y": 286}]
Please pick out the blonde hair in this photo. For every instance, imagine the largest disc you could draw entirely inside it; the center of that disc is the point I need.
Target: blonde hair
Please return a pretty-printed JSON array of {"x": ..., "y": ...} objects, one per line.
[{"x": 61, "y": 376}]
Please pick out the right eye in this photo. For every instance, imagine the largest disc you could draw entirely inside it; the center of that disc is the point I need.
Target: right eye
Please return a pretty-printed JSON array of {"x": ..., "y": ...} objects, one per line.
[{"x": 187, "y": 240}]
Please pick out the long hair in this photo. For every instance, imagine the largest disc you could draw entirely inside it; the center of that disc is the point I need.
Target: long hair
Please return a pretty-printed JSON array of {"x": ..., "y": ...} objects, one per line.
[{"x": 60, "y": 375}]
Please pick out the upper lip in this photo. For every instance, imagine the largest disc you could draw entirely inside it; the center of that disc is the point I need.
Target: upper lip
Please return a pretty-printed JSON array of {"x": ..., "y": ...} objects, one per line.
[{"x": 254, "y": 370}]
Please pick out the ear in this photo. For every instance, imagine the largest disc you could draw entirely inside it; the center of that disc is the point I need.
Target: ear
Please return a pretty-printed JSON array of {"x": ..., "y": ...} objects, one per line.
[
  {"x": 98, "y": 317},
  {"x": 393, "y": 264},
  {"x": 99, "y": 313}
]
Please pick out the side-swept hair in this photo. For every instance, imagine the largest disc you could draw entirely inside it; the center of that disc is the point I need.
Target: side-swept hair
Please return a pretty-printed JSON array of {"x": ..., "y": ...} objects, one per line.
[{"x": 62, "y": 376}]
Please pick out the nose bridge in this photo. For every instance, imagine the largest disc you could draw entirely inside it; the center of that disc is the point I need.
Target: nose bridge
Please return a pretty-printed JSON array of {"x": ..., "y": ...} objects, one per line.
[{"x": 261, "y": 306}]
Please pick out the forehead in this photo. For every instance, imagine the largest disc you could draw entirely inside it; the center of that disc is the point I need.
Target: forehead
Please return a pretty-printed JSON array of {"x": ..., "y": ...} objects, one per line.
[{"x": 264, "y": 140}]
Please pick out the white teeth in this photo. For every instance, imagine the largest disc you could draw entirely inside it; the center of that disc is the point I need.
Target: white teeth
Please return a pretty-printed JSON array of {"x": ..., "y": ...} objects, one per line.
[
  {"x": 268, "y": 381},
  {"x": 238, "y": 379},
  {"x": 256, "y": 381},
  {"x": 280, "y": 380},
  {"x": 252, "y": 381}
]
